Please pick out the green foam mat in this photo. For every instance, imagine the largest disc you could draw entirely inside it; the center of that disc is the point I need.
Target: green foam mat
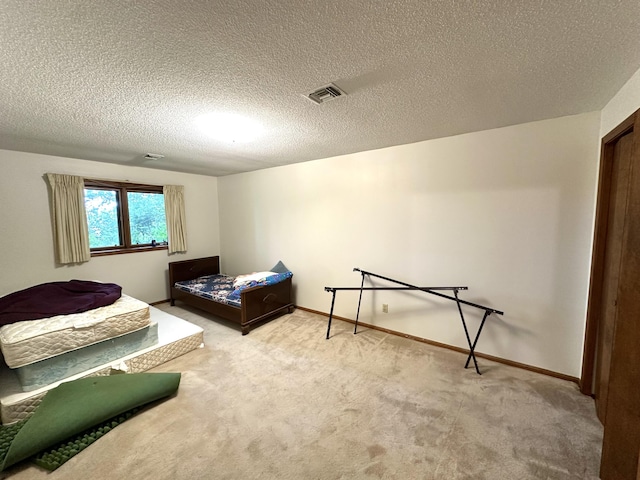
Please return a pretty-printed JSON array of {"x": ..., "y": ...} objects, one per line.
[
  {"x": 74, "y": 409},
  {"x": 54, "y": 457},
  {"x": 7, "y": 434}
]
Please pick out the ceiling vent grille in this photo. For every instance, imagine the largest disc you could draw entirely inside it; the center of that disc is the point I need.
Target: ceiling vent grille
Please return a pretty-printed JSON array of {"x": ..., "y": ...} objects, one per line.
[
  {"x": 325, "y": 94},
  {"x": 153, "y": 156}
]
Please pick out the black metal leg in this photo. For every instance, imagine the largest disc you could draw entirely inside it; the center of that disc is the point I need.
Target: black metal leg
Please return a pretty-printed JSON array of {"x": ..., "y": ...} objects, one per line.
[
  {"x": 472, "y": 345},
  {"x": 355, "y": 328},
  {"x": 466, "y": 332},
  {"x": 475, "y": 342},
  {"x": 333, "y": 301}
]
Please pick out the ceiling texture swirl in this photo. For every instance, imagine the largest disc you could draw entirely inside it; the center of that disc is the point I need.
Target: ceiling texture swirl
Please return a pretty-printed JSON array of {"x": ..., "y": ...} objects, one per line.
[{"x": 112, "y": 81}]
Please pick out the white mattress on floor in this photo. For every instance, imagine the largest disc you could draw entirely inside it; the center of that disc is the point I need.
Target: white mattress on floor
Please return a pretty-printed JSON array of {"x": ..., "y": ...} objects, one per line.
[
  {"x": 175, "y": 337},
  {"x": 30, "y": 341},
  {"x": 44, "y": 372}
]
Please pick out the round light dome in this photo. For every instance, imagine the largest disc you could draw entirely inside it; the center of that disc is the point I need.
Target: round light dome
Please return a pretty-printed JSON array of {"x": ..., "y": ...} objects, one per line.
[{"x": 229, "y": 127}]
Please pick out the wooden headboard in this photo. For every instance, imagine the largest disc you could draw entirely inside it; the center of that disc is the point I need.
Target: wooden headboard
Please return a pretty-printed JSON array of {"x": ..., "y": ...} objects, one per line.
[{"x": 189, "y": 269}]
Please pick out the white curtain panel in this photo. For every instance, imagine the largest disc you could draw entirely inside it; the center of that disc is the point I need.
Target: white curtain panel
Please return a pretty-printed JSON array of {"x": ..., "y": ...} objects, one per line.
[
  {"x": 70, "y": 229},
  {"x": 176, "y": 218}
]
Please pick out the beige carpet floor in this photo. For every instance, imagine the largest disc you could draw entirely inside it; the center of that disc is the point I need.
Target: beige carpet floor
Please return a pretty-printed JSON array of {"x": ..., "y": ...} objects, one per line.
[{"x": 284, "y": 403}]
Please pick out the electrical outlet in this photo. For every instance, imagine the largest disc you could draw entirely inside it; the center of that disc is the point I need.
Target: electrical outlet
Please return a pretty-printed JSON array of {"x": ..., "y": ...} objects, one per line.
[{"x": 385, "y": 308}]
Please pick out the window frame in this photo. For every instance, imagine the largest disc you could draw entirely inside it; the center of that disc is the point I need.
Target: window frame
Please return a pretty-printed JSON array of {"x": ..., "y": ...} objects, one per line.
[{"x": 121, "y": 189}]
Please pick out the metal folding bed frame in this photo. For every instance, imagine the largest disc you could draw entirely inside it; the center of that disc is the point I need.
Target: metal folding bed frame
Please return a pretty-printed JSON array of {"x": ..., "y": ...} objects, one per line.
[{"x": 430, "y": 290}]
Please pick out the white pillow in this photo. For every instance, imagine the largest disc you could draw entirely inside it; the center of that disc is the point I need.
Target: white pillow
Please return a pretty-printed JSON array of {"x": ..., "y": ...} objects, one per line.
[{"x": 241, "y": 280}]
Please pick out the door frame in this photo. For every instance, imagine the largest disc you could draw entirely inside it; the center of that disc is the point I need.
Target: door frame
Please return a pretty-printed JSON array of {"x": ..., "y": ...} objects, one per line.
[{"x": 630, "y": 124}]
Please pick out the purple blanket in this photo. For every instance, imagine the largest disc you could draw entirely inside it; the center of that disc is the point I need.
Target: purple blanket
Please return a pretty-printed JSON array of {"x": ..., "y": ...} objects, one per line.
[{"x": 56, "y": 298}]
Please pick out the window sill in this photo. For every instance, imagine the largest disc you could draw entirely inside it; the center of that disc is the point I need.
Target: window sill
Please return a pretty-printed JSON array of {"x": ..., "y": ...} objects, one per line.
[{"x": 120, "y": 251}]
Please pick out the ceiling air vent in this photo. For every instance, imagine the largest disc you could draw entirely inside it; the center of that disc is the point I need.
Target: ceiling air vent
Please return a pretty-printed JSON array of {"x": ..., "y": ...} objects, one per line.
[
  {"x": 325, "y": 94},
  {"x": 153, "y": 156}
]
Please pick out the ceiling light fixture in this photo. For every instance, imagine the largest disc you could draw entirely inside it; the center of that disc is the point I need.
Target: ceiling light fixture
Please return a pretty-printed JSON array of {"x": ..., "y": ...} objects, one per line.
[{"x": 229, "y": 127}]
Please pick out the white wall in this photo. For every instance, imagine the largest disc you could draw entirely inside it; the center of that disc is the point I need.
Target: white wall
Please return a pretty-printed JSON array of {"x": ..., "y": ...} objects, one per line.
[
  {"x": 26, "y": 245},
  {"x": 507, "y": 212},
  {"x": 623, "y": 104}
]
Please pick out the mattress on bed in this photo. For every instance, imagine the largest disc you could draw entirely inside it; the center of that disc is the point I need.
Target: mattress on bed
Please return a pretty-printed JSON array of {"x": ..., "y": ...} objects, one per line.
[
  {"x": 44, "y": 372},
  {"x": 175, "y": 338},
  {"x": 212, "y": 287},
  {"x": 23, "y": 343},
  {"x": 225, "y": 289}
]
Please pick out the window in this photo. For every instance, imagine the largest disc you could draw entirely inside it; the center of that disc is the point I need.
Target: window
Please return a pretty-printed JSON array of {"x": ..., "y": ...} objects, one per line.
[{"x": 124, "y": 217}]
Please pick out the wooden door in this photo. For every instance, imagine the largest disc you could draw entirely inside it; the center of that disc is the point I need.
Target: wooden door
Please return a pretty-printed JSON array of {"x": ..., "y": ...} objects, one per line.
[
  {"x": 619, "y": 190},
  {"x": 622, "y": 423},
  {"x": 611, "y": 361}
]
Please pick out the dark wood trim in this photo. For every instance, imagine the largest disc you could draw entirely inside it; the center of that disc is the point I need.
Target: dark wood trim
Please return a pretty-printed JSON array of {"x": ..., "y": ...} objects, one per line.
[
  {"x": 504, "y": 361},
  {"x": 160, "y": 302},
  {"x": 594, "y": 304},
  {"x": 109, "y": 184},
  {"x": 465, "y": 351},
  {"x": 120, "y": 251},
  {"x": 124, "y": 227},
  {"x": 625, "y": 127}
]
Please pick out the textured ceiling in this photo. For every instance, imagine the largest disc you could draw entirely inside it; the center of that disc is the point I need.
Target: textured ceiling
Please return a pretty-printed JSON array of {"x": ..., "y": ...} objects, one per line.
[{"x": 113, "y": 80}]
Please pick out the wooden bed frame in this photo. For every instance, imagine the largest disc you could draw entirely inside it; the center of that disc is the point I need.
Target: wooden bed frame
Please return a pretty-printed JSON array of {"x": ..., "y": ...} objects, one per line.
[{"x": 258, "y": 303}]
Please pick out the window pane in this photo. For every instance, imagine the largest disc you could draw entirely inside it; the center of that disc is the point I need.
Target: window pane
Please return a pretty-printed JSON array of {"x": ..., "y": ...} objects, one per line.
[
  {"x": 146, "y": 218},
  {"x": 102, "y": 217}
]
